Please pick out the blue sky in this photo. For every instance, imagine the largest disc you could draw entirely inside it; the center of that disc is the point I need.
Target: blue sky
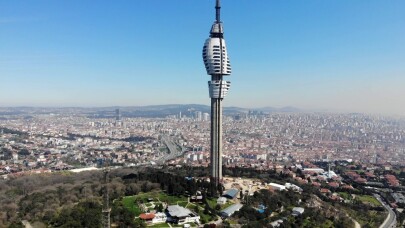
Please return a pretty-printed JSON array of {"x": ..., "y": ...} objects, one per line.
[{"x": 326, "y": 55}]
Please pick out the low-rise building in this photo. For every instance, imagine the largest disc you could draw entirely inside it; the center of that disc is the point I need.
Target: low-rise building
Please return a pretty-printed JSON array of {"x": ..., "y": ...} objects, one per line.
[
  {"x": 277, "y": 223},
  {"x": 399, "y": 198},
  {"x": 147, "y": 217},
  {"x": 277, "y": 187},
  {"x": 227, "y": 212},
  {"x": 221, "y": 200},
  {"x": 231, "y": 193},
  {"x": 160, "y": 217},
  {"x": 181, "y": 215},
  {"x": 296, "y": 211}
]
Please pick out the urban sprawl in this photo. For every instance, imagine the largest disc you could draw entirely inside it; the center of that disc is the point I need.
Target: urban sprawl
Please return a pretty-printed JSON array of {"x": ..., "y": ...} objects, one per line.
[{"x": 309, "y": 147}]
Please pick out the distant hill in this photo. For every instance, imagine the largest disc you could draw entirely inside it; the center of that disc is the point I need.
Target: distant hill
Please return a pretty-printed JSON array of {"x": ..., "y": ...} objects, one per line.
[
  {"x": 189, "y": 109},
  {"x": 283, "y": 109}
]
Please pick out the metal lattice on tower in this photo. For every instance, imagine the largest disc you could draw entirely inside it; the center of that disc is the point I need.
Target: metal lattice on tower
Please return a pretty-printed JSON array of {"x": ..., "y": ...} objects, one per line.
[
  {"x": 216, "y": 61},
  {"x": 106, "y": 208}
]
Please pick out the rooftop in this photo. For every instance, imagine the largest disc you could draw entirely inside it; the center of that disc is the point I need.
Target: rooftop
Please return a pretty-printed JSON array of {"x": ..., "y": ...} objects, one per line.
[
  {"x": 178, "y": 211},
  {"x": 231, "y": 192},
  {"x": 231, "y": 209}
]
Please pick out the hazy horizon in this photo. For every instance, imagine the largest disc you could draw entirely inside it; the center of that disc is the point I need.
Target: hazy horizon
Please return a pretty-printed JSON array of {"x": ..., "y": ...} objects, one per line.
[{"x": 339, "y": 56}]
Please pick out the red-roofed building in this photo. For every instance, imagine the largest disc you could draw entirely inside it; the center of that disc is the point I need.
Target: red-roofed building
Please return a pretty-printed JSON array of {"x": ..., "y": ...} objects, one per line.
[
  {"x": 392, "y": 180},
  {"x": 316, "y": 184},
  {"x": 336, "y": 178},
  {"x": 147, "y": 216},
  {"x": 334, "y": 184},
  {"x": 324, "y": 190},
  {"x": 360, "y": 180},
  {"x": 321, "y": 178},
  {"x": 352, "y": 175},
  {"x": 346, "y": 186},
  {"x": 370, "y": 175},
  {"x": 336, "y": 198}
]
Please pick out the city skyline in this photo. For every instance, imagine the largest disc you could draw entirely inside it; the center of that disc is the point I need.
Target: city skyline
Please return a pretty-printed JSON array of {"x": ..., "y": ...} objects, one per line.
[{"x": 336, "y": 55}]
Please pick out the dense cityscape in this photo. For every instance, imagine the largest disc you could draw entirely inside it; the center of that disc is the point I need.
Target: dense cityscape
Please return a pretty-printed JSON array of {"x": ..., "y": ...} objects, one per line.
[
  {"x": 250, "y": 139},
  {"x": 331, "y": 152}
]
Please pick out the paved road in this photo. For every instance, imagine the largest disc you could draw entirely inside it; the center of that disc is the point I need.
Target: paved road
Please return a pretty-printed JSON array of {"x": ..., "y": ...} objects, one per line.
[
  {"x": 391, "y": 220},
  {"x": 173, "y": 150}
]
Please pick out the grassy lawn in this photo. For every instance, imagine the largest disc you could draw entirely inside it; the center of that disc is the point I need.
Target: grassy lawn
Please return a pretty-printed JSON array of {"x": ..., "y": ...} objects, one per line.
[
  {"x": 370, "y": 218},
  {"x": 159, "y": 225},
  {"x": 171, "y": 199},
  {"x": 205, "y": 217},
  {"x": 159, "y": 195},
  {"x": 345, "y": 195},
  {"x": 227, "y": 204},
  {"x": 129, "y": 202},
  {"x": 148, "y": 204},
  {"x": 145, "y": 196},
  {"x": 232, "y": 221},
  {"x": 308, "y": 223},
  {"x": 192, "y": 206},
  {"x": 212, "y": 202},
  {"x": 182, "y": 203},
  {"x": 368, "y": 200},
  {"x": 328, "y": 223}
]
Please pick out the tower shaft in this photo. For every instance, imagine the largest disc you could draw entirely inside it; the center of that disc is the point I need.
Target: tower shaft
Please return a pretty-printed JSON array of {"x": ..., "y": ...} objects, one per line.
[{"x": 216, "y": 137}]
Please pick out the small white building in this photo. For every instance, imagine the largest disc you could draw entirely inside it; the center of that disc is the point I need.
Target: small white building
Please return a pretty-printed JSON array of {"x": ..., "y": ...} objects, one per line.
[
  {"x": 296, "y": 211},
  {"x": 277, "y": 187},
  {"x": 293, "y": 187},
  {"x": 160, "y": 217},
  {"x": 276, "y": 223},
  {"x": 313, "y": 170},
  {"x": 221, "y": 200},
  {"x": 329, "y": 174}
]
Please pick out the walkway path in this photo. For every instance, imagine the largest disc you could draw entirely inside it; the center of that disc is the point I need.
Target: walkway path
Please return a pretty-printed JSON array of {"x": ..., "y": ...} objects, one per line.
[
  {"x": 26, "y": 224},
  {"x": 356, "y": 224}
]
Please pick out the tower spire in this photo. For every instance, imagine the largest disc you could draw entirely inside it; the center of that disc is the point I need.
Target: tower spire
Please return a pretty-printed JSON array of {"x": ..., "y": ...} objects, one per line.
[{"x": 218, "y": 11}]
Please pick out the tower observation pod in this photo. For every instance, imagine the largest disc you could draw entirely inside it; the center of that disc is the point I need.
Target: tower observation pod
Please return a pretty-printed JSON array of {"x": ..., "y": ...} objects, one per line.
[{"x": 216, "y": 61}]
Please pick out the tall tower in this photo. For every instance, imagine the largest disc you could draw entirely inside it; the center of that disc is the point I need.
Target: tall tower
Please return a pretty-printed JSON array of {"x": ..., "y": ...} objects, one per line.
[
  {"x": 217, "y": 64},
  {"x": 106, "y": 208},
  {"x": 118, "y": 117},
  {"x": 117, "y": 114}
]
